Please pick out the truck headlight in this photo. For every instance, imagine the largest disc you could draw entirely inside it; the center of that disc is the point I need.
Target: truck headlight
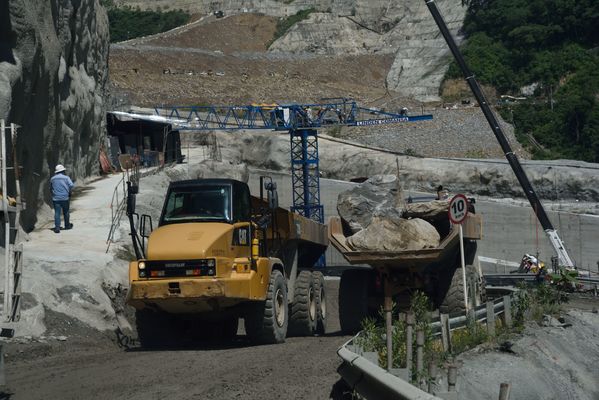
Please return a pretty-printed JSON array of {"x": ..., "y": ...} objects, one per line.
[
  {"x": 211, "y": 262},
  {"x": 141, "y": 265}
]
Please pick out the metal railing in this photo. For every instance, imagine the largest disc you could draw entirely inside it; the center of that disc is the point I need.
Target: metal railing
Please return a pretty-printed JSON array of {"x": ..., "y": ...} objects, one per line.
[
  {"x": 361, "y": 370},
  {"x": 118, "y": 203}
]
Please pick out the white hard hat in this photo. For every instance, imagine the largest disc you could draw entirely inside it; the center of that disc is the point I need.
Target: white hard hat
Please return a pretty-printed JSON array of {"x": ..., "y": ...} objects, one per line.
[{"x": 59, "y": 168}]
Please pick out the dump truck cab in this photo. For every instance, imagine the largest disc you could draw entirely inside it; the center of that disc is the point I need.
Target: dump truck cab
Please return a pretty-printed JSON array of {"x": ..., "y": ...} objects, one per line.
[{"x": 214, "y": 258}]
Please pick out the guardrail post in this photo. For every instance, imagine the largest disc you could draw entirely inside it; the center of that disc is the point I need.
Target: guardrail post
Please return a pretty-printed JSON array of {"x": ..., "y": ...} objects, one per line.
[
  {"x": 452, "y": 376},
  {"x": 409, "y": 341},
  {"x": 2, "y": 374},
  {"x": 445, "y": 332},
  {"x": 507, "y": 311},
  {"x": 490, "y": 318},
  {"x": 432, "y": 379},
  {"x": 419, "y": 354},
  {"x": 504, "y": 391},
  {"x": 389, "y": 331}
]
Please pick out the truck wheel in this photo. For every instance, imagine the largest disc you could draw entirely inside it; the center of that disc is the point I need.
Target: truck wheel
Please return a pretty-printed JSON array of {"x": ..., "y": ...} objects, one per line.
[
  {"x": 152, "y": 328},
  {"x": 353, "y": 300},
  {"x": 302, "y": 321},
  {"x": 453, "y": 303},
  {"x": 321, "y": 302},
  {"x": 266, "y": 321}
]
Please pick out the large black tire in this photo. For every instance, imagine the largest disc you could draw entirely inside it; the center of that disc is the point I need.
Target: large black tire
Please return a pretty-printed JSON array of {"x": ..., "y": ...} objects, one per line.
[
  {"x": 304, "y": 314},
  {"x": 153, "y": 328},
  {"x": 453, "y": 303},
  {"x": 353, "y": 300},
  {"x": 266, "y": 321},
  {"x": 321, "y": 302}
]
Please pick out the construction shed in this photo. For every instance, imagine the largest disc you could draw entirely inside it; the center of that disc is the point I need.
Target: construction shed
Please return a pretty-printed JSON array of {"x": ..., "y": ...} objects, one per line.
[{"x": 151, "y": 142}]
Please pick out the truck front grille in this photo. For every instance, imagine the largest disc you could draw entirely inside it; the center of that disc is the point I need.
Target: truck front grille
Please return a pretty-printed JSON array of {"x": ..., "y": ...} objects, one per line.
[{"x": 180, "y": 268}]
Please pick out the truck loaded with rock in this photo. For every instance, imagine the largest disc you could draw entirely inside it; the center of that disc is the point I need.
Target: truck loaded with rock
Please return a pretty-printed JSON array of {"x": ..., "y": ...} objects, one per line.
[
  {"x": 219, "y": 254},
  {"x": 398, "y": 246}
]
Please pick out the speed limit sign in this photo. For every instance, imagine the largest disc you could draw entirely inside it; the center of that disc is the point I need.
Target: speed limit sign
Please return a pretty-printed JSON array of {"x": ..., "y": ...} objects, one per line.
[{"x": 458, "y": 209}]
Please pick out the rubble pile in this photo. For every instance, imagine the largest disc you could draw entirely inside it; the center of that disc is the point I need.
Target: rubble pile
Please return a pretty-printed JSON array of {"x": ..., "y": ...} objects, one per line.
[{"x": 379, "y": 220}]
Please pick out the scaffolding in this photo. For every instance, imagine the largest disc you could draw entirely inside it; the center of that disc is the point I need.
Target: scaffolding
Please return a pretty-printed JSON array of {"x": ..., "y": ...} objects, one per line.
[
  {"x": 11, "y": 209},
  {"x": 13, "y": 247}
]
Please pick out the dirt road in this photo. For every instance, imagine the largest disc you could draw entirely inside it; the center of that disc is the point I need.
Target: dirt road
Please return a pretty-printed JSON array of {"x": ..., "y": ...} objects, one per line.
[{"x": 92, "y": 366}]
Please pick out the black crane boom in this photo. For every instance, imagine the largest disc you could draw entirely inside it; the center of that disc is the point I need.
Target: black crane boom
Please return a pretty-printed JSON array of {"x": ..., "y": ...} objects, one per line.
[{"x": 563, "y": 257}]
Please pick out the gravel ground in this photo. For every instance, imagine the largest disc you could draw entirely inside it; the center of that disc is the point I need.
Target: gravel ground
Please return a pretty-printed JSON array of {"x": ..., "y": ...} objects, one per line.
[
  {"x": 461, "y": 132},
  {"x": 88, "y": 364}
]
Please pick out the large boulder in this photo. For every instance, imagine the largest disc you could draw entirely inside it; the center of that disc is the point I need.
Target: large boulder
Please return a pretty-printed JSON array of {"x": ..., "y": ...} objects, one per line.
[
  {"x": 430, "y": 210},
  {"x": 379, "y": 195},
  {"x": 392, "y": 233}
]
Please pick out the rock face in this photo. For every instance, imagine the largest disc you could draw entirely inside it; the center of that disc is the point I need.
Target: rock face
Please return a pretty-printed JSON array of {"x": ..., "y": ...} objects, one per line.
[
  {"x": 553, "y": 180},
  {"x": 423, "y": 57},
  {"x": 379, "y": 195},
  {"x": 53, "y": 71},
  {"x": 405, "y": 29}
]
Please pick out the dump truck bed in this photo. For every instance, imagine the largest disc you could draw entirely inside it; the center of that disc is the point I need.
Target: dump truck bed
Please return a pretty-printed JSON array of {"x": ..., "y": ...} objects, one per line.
[{"x": 408, "y": 259}]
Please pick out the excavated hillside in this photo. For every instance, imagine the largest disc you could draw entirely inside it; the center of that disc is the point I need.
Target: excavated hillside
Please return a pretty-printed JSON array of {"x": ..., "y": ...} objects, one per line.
[{"x": 226, "y": 61}]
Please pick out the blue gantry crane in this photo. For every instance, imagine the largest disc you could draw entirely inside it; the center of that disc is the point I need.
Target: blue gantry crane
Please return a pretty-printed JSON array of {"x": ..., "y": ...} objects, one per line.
[{"x": 302, "y": 121}]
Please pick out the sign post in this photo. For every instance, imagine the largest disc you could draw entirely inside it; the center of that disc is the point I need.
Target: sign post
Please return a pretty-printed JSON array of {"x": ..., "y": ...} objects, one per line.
[{"x": 458, "y": 210}]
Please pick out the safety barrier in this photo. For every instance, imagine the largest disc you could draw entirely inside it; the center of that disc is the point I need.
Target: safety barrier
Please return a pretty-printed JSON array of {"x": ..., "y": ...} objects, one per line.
[{"x": 361, "y": 371}]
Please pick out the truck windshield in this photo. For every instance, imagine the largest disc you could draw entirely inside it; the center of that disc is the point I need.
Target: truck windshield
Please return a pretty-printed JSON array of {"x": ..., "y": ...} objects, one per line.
[{"x": 205, "y": 203}]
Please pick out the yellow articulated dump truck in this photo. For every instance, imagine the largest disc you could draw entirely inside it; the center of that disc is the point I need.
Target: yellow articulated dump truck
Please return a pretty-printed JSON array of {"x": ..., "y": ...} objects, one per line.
[{"x": 218, "y": 254}]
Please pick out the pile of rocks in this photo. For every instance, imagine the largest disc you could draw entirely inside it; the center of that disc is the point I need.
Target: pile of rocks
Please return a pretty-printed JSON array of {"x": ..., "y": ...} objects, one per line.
[{"x": 380, "y": 220}]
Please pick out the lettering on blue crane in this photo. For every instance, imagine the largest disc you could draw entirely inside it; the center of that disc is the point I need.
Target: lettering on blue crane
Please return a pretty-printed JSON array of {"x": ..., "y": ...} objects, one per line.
[{"x": 382, "y": 121}]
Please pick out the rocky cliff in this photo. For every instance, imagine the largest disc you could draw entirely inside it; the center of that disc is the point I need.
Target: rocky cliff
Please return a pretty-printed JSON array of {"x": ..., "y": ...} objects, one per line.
[
  {"x": 341, "y": 27},
  {"x": 53, "y": 71},
  {"x": 405, "y": 29}
]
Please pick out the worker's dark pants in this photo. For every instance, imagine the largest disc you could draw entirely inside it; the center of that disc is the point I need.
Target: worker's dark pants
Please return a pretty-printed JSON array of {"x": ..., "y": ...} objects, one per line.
[{"x": 58, "y": 205}]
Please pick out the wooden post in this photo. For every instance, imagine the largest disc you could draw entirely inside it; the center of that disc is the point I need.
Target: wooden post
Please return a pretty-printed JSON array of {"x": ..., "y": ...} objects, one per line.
[
  {"x": 490, "y": 318},
  {"x": 409, "y": 340},
  {"x": 445, "y": 332},
  {"x": 452, "y": 376},
  {"x": 432, "y": 375},
  {"x": 389, "y": 331},
  {"x": 504, "y": 391},
  {"x": 419, "y": 354},
  {"x": 507, "y": 311}
]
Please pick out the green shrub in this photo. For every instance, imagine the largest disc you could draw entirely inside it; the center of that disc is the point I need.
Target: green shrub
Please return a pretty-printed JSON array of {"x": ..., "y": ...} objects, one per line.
[
  {"x": 284, "y": 24},
  {"x": 128, "y": 23},
  {"x": 513, "y": 43}
]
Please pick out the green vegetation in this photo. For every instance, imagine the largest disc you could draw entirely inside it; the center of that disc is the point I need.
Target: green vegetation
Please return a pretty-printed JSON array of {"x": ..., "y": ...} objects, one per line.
[
  {"x": 529, "y": 303},
  {"x": 128, "y": 23},
  {"x": 284, "y": 24},
  {"x": 373, "y": 334},
  {"x": 550, "y": 43},
  {"x": 535, "y": 302}
]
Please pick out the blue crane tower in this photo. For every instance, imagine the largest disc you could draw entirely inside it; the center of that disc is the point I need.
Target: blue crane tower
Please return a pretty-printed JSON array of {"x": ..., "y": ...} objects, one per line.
[{"x": 302, "y": 121}]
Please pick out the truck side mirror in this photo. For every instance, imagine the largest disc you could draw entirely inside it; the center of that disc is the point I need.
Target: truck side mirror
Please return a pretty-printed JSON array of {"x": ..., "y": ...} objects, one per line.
[
  {"x": 146, "y": 226},
  {"x": 272, "y": 195},
  {"x": 132, "y": 190}
]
